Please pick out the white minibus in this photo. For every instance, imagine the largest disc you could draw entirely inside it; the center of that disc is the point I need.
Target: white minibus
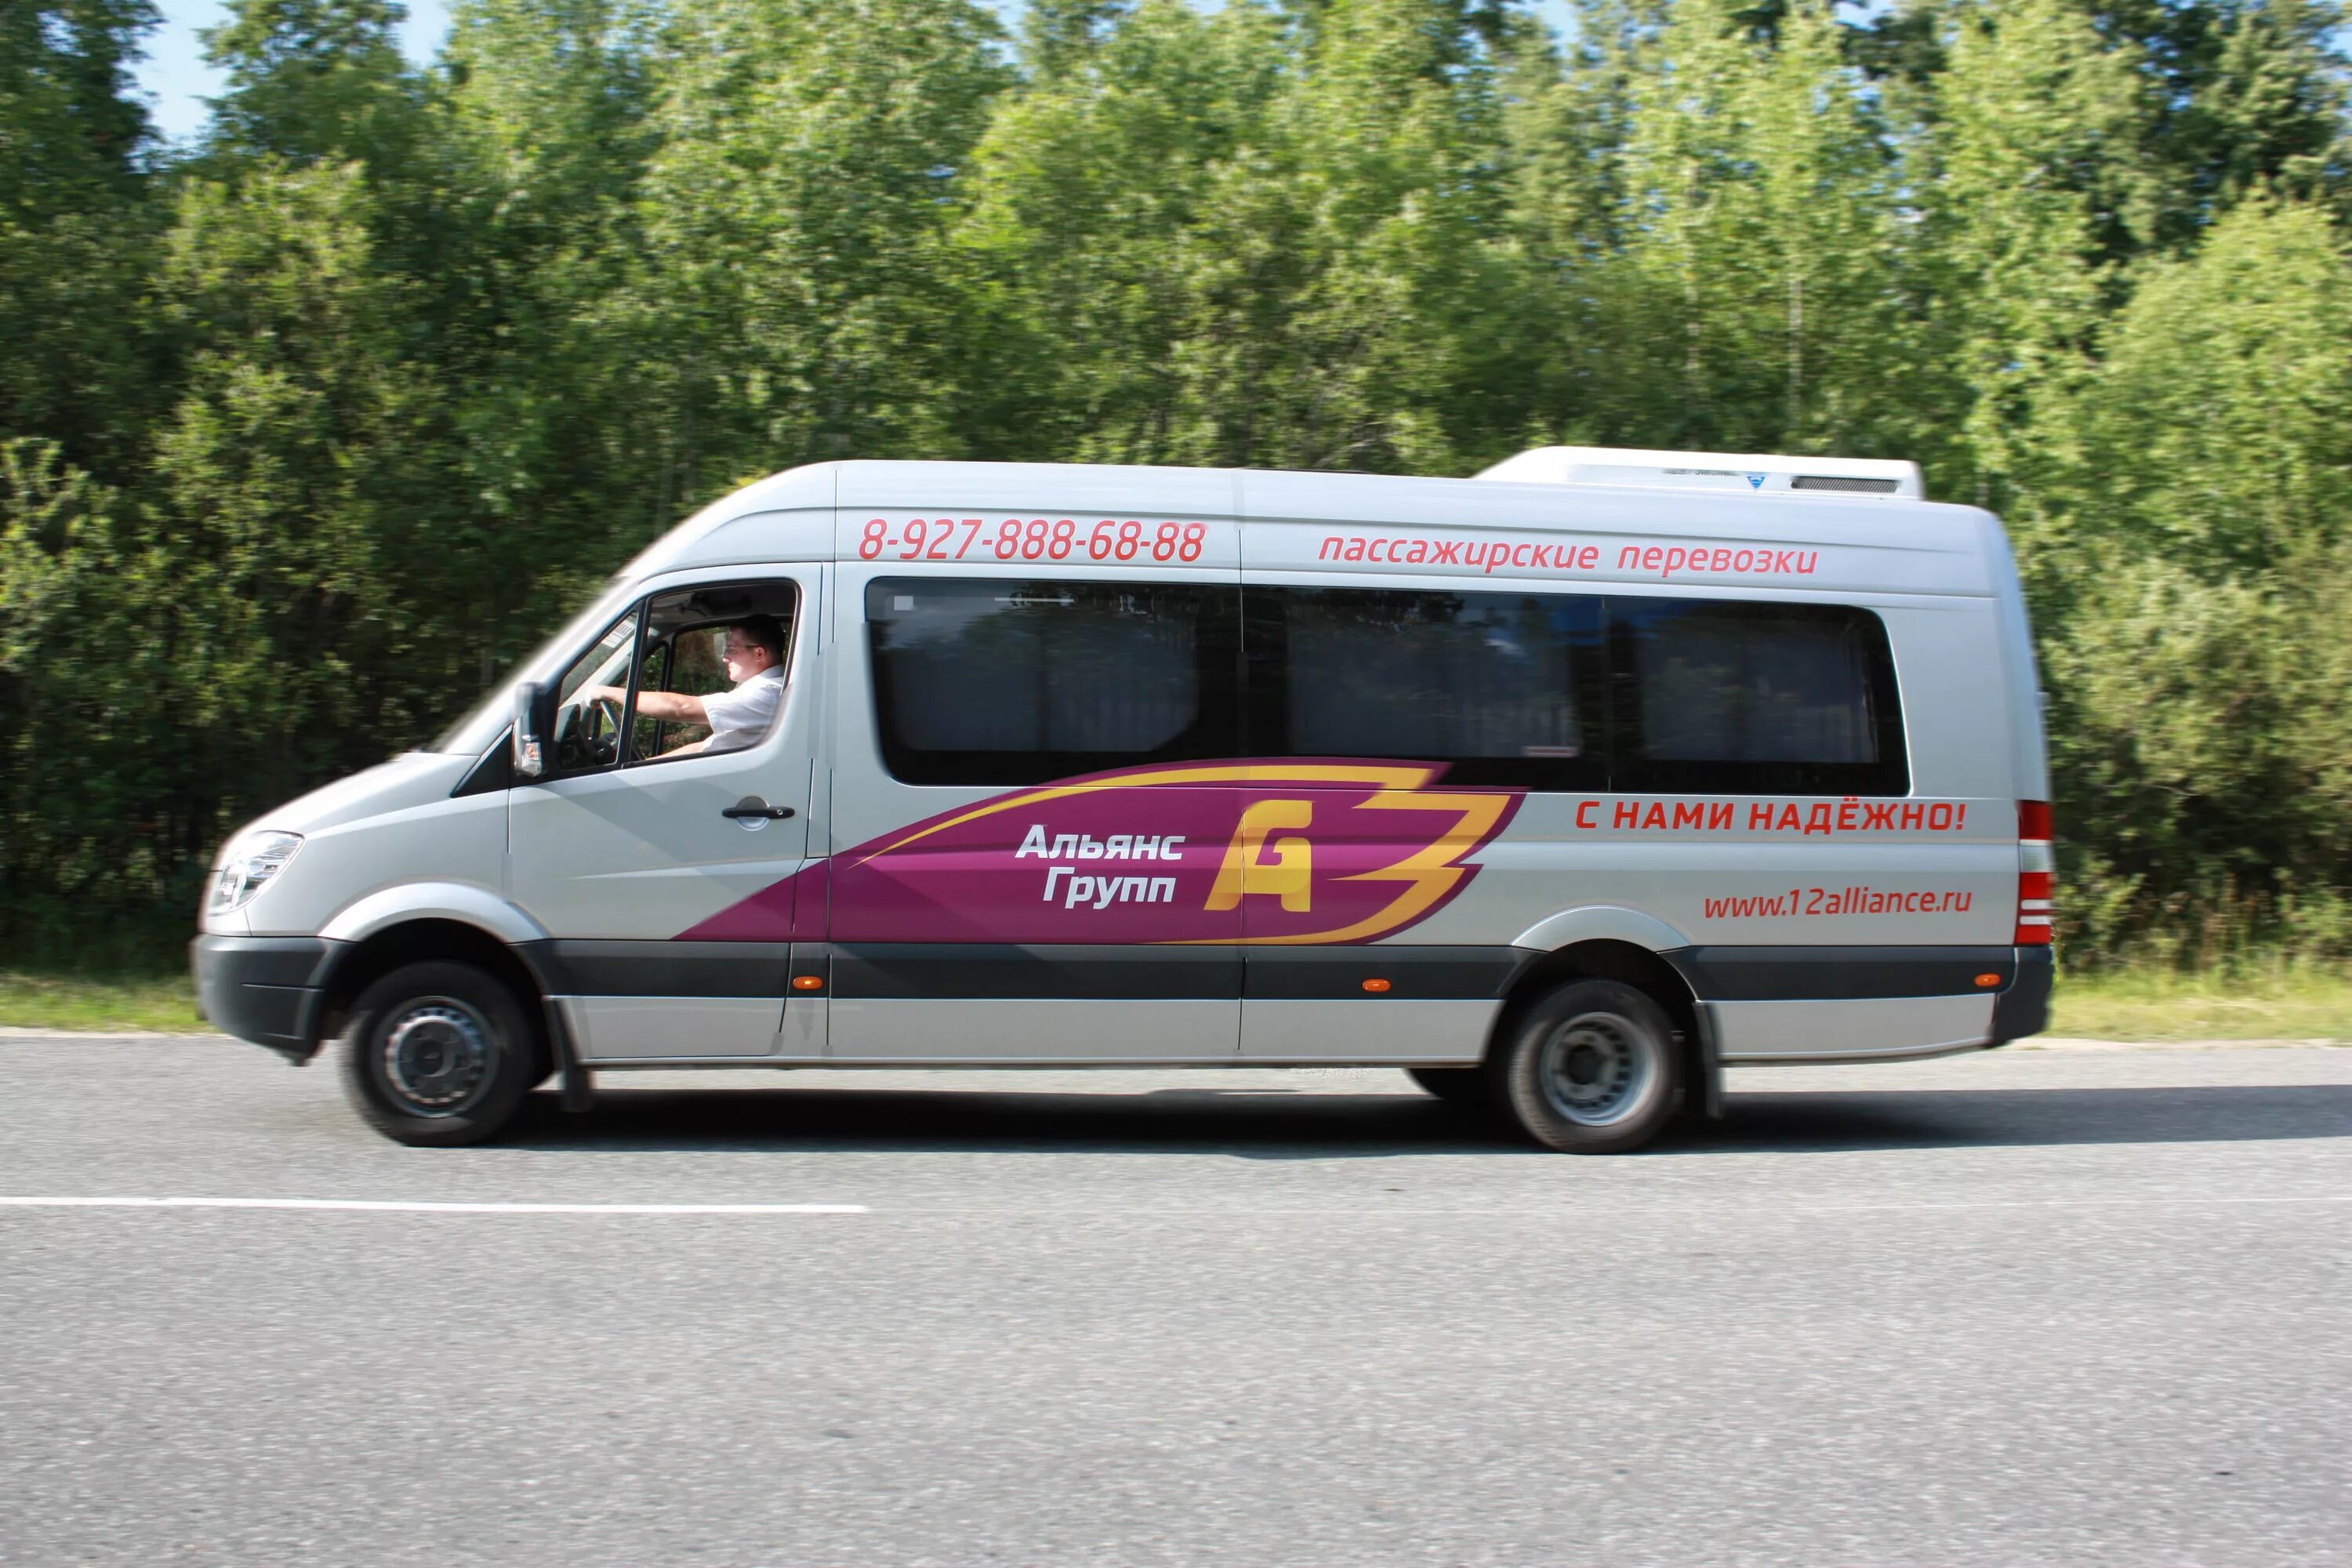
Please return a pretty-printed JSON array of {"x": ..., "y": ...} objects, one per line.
[{"x": 1560, "y": 788}]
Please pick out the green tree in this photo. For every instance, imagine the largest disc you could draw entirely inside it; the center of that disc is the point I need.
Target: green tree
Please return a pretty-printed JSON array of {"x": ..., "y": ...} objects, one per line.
[
  {"x": 2025, "y": 169},
  {"x": 314, "y": 80},
  {"x": 1761, "y": 295},
  {"x": 555, "y": 466},
  {"x": 70, "y": 779},
  {"x": 1245, "y": 239},
  {"x": 78, "y": 226},
  {"x": 1409, "y": 355},
  {"x": 2213, "y": 435},
  {"x": 306, "y": 430},
  {"x": 2196, "y": 547},
  {"x": 811, "y": 154},
  {"x": 2234, "y": 96},
  {"x": 1056, "y": 36},
  {"x": 1130, "y": 230}
]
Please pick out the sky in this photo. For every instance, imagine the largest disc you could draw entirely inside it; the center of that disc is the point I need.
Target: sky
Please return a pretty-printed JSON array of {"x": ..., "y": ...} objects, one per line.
[{"x": 177, "y": 81}]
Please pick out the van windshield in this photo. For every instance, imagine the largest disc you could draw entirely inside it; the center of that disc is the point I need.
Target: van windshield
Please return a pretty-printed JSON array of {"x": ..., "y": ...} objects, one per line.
[{"x": 484, "y": 721}]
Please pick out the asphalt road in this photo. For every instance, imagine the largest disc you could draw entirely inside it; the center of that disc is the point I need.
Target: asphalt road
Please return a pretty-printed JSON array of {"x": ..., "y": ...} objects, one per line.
[{"x": 2025, "y": 1308}]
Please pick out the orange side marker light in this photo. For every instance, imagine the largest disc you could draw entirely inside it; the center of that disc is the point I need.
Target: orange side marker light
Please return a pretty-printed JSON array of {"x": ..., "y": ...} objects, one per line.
[
  {"x": 1376, "y": 985},
  {"x": 808, "y": 982},
  {"x": 1986, "y": 982}
]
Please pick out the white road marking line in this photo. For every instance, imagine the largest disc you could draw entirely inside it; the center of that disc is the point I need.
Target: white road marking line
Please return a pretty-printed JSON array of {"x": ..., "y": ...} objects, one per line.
[
  {"x": 1031, "y": 1212},
  {"x": 398, "y": 1206},
  {"x": 1583, "y": 1215},
  {"x": 2189, "y": 1202}
]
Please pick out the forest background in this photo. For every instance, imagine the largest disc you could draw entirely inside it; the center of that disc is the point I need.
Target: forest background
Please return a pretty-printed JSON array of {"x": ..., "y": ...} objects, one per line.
[{"x": 310, "y": 429}]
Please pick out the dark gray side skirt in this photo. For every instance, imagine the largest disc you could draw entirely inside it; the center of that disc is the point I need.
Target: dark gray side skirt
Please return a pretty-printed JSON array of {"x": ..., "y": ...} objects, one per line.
[
  {"x": 1008, "y": 972},
  {"x": 580, "y": 968},
  {"x": 1840, "y": 974},
  {"x": 1135, "y": 973},
  {"x": 2021, "y": 991},
  {"x": 1116, "y": 973}
]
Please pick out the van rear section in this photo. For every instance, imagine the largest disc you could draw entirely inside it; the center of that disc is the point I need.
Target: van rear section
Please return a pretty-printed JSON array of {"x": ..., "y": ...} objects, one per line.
[
  {"x": 1818, "y": 756},
  {"x": 1560, "y": 788}
]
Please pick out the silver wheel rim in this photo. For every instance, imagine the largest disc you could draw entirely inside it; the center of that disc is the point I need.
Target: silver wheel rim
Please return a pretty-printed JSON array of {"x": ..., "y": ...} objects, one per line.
[
  {"x": 1596, "y": 1068},
  {"x": 438, "y": 1057}
]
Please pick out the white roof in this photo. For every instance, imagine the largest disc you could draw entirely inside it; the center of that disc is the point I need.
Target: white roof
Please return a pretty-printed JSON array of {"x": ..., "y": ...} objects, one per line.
[{"x": 1560, "y": 514}]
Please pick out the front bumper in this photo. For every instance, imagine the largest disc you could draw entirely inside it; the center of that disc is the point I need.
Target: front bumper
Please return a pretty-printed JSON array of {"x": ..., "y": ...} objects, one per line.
[{"x": 264, "y": 989}]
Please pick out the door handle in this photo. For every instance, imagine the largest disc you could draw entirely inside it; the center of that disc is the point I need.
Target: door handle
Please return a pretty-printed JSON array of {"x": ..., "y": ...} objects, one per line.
[{"x": 752, "y": 807}]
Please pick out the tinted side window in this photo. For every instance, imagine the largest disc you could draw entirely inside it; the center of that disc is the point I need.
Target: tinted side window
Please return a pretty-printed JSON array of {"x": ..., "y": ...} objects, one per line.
[
  {"x": 1506, "y": 688},
  {"x": 1718, "y": 697},
  {"x": 1003, "y": 682}
]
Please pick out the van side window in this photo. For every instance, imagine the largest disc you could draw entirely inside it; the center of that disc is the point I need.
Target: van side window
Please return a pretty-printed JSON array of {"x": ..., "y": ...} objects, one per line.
[
  {"x": 1716, "y": 696},
  {"x": 685, "y": 654},
  {"x": 1505, "y": 687},
  {"x": 1003, "y": 682}
]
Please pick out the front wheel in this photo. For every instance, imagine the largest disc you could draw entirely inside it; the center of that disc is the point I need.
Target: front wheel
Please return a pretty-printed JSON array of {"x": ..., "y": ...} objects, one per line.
[
  {"x": 438, "y": 1054},
  {"x": 1591, "y": 1069}
]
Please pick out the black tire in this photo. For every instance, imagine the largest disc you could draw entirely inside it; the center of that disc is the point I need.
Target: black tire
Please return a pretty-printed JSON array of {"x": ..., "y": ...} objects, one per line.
[
  {"x": 439, "y": 1054},
  {"x": 1464, "y": 1087},
  {"x": 1590, "y": 1069}
]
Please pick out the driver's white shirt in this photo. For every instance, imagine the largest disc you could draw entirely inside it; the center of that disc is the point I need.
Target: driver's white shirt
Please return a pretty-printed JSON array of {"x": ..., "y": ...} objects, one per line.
[{"x": 740, "y": 717}]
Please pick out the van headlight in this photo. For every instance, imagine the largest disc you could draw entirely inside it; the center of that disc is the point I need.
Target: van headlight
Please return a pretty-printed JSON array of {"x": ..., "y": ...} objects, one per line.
[{"x": 249, "y": 866}]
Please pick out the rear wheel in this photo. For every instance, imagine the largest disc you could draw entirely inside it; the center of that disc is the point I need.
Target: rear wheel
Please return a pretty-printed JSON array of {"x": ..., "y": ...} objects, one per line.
[
  {"x": 1591, "y": 1069},
  {"x": 1464, "y": 1087},
  {"x": 438, "y": 1054}
]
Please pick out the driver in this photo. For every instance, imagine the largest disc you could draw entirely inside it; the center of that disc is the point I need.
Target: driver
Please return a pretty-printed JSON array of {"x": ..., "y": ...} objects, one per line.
[{"x": 755, "y": 663}]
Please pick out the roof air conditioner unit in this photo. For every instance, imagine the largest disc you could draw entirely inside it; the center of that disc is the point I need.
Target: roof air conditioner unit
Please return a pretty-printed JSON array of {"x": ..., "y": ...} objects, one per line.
[{"x": 1744, "y": 473}]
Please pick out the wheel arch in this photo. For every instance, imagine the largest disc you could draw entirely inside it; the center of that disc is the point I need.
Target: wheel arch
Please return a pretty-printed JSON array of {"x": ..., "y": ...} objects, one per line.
[
  {"x": 463, "y": 903},
  {"x": 1602, "y": 922},
  {"x": 1630, "y": 962},
  {"x": 354, "y": 965}
]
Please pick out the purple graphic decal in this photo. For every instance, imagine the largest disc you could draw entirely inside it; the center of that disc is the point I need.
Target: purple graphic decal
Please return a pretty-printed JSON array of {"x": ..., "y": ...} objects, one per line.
[
  {"x": 1305, "y": 850},
  {"x": 775, "y": 913}
]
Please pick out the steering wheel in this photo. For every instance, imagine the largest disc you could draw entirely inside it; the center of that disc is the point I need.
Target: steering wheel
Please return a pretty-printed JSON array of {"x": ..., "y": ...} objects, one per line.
[
  {"x": 604, "y": 733},
  {"x": 589, "y": 736}
]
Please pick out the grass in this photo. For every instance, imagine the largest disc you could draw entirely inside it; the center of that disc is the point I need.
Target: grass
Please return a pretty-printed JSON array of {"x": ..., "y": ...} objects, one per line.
[
  {"x": 160, "y": 1002},
  {"x": 2272, "y": 1002},
  {"x": 2276, "y": 1001}
]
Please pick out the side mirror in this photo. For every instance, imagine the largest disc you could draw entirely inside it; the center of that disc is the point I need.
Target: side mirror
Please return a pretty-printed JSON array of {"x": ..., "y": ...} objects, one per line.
[{"x": 534, "y": 716}]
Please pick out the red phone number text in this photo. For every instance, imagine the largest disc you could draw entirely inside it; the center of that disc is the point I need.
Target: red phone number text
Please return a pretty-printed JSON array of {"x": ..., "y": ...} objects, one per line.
[{"x": 1033, "y": 539}]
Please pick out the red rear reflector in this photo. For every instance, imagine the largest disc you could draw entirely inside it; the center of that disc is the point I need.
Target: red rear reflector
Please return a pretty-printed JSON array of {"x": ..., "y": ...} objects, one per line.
[{"x": 2034, "y": 819}]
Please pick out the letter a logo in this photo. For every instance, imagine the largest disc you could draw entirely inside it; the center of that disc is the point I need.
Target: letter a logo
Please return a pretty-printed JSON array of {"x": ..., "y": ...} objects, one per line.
[
  {"x": 1756, "y": 481},
  {"x": 1289, "y": 874}
]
